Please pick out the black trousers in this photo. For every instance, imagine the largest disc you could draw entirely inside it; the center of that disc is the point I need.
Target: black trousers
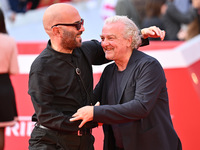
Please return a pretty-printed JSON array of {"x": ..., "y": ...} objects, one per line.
[{"x": 42, "y": 139}]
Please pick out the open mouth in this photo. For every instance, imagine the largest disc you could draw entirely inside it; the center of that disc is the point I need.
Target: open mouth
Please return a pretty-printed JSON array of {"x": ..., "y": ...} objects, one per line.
[{"x": 108, "y": 48}]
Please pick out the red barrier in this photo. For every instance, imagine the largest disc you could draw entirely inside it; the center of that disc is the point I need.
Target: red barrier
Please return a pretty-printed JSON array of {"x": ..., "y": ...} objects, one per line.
[{"x": 183, "y": 77}]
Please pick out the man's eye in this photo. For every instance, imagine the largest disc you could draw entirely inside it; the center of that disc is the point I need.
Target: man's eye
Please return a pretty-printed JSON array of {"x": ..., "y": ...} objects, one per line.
[{"x": 110, "y": 38}]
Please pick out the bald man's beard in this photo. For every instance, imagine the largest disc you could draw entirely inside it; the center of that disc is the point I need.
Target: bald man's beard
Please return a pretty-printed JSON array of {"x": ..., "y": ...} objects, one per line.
[{"x": 70, "y": 40}]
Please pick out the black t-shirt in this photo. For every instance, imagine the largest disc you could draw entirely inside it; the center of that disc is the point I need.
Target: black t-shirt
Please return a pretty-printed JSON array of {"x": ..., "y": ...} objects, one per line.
[{"x": 116, "y": 82}]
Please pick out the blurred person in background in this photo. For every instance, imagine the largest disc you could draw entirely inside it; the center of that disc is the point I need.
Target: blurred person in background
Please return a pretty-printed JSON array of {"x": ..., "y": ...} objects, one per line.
[
  {"x": 192, "y": 29},
  {"x": 108, "y": 8},
  {"x": 19, "y": 6},
  {"x": 182, "y": 5},
  {"x": 8, "y": 12},
  {"x": 12, "y": 7},
  {"x": 22, "y": 6},
  {"x": 154, "y": 9},
  {"x": 32, "y": 4},
  {"x": 133, "y": 9},
  {"x": 127, "y": 8},
  {"x": 173, "y": 19},
  {"x": 140, "y": 7},
  {"x": 8, "y": 66}
]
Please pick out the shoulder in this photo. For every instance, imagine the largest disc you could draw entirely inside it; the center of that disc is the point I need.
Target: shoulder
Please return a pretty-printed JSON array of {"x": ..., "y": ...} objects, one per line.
[
  {"x": 41, "y": 62},
  {"x": 8, "y": 44},
  {"x": 6, "y": 38},
  {"x": 91, "y": 45},
  {"x": 147, "y": 65},
  {"x": 171, "y": 7},
  {"x": 93, "y": 51},
  {"x": 145, "y": 59}
]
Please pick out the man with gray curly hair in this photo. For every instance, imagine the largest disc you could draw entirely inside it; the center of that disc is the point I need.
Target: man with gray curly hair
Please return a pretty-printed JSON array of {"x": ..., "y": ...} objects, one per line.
[{"x": 133, "y": 94}]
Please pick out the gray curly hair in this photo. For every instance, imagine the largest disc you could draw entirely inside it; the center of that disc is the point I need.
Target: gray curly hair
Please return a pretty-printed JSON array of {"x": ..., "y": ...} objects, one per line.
[{"x": 130, "y": 29}]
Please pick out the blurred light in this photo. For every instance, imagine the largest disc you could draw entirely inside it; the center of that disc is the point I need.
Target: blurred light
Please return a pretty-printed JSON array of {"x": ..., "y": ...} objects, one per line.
[{"x": 194, "y": 78}]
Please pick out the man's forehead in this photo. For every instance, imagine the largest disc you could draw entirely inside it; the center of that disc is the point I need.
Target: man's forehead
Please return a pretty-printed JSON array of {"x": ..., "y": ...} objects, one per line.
[{"x": 108, "y": 34}]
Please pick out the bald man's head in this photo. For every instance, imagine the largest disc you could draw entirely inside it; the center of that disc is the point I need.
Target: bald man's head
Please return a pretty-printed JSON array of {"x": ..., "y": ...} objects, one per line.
[{"x": 59, "y": 13}]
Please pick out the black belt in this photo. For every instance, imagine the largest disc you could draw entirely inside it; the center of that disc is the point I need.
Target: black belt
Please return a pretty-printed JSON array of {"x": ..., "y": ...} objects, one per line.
[{"x": 80, "y": 132}]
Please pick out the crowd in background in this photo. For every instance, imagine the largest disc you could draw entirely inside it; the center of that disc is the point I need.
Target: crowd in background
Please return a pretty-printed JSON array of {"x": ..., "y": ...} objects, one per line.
[{"x": 179, "y": 18}]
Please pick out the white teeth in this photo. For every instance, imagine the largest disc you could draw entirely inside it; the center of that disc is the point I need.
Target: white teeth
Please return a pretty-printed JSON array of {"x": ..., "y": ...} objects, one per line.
[{"x": 108, "y": 49}]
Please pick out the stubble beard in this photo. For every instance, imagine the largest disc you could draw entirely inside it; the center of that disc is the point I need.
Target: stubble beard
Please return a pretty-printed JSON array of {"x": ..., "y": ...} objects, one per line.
[{"x": 70, "y": 42}]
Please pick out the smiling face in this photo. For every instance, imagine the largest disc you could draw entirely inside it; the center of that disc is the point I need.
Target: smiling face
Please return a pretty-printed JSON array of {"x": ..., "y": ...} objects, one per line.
[{"x": 115, "y": 46}]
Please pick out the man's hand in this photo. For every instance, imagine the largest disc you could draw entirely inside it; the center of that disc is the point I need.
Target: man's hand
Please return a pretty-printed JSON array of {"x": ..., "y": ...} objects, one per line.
[
  {"x": 85, "y": 114},
  {"x": 153, "y": 32}
]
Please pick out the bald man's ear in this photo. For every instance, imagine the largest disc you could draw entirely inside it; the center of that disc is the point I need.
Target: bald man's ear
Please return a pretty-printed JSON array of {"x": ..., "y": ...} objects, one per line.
[{"x": 55, "y": 31}]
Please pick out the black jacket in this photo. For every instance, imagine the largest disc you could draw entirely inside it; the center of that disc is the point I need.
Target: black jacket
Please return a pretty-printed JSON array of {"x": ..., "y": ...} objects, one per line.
[{"x": 142, "y": 111}]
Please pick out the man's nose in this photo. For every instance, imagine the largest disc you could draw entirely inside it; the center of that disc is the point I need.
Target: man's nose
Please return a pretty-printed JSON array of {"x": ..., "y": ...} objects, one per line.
[{"x": 82, "y": 28}]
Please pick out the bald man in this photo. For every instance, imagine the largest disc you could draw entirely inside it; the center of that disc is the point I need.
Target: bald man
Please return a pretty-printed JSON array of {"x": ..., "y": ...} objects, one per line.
[{"x": 61, "y": 81}]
